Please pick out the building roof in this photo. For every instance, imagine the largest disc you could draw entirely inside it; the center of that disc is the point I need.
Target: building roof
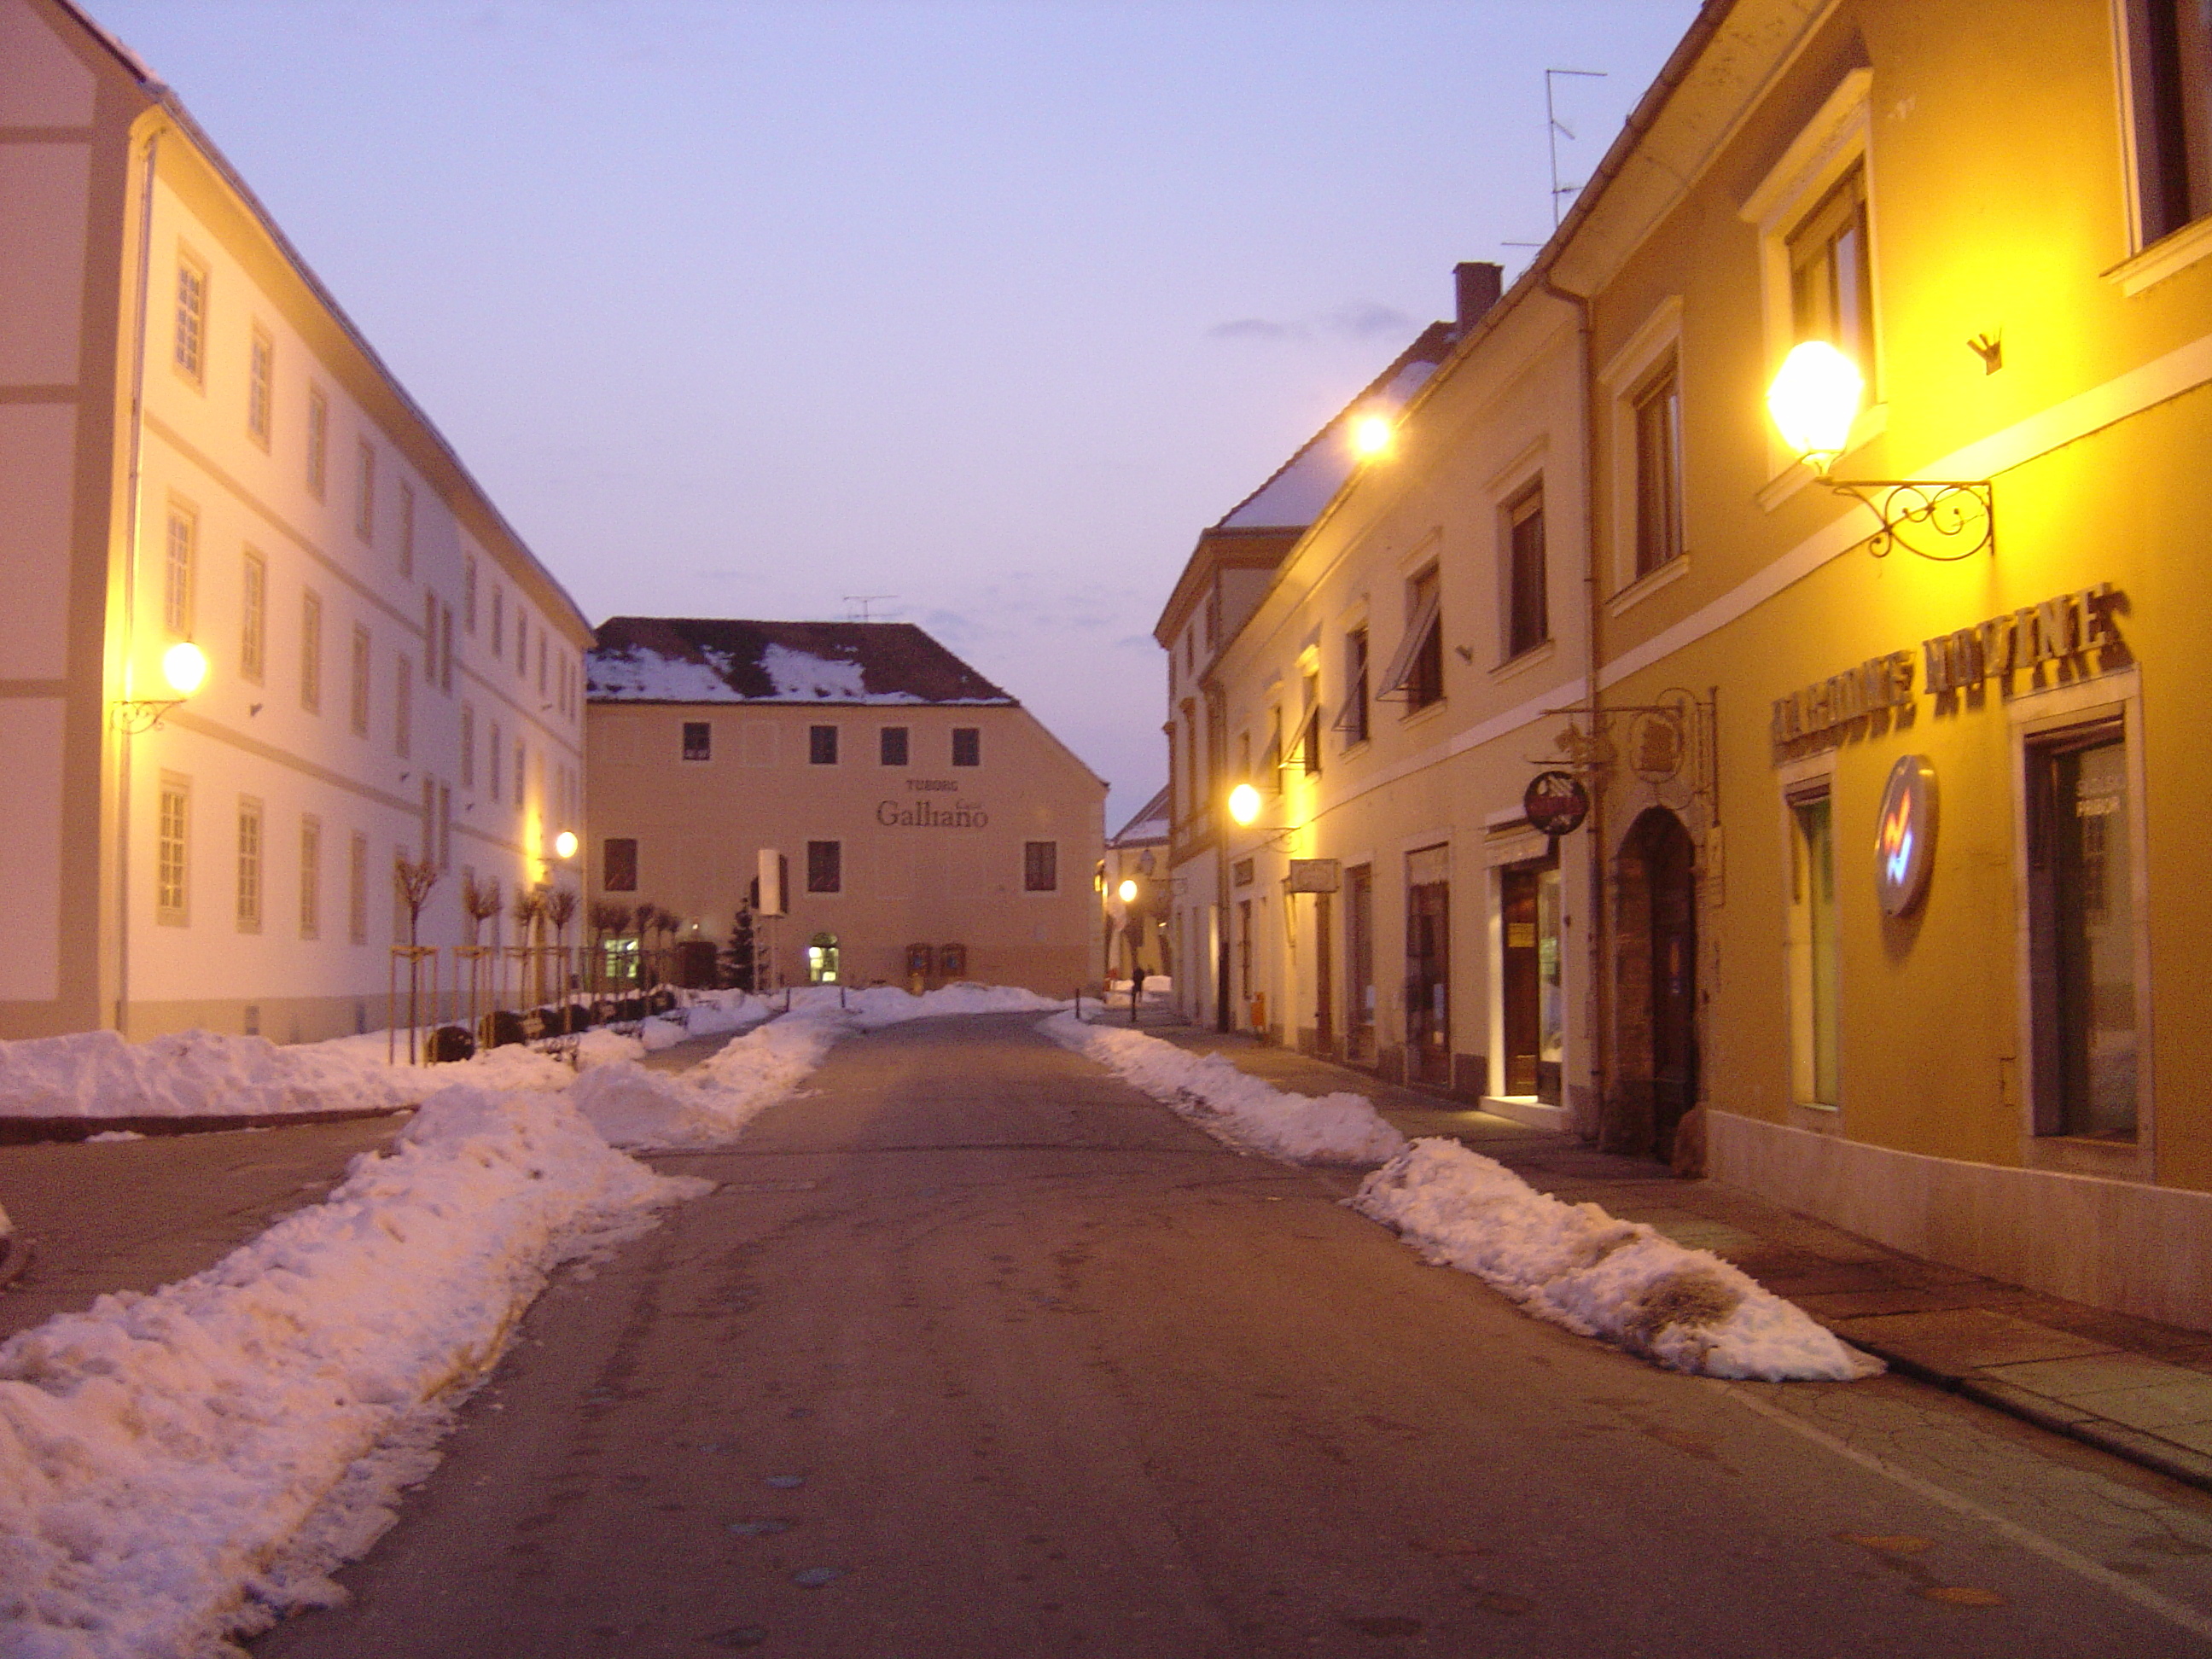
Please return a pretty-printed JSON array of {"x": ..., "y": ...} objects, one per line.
[
  {"x": 722, "y": 659},
  {"x": 1149, "y": 827}
]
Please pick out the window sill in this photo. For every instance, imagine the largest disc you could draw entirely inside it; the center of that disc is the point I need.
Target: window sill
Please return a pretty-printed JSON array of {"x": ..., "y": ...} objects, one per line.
[
  {"x": 1645, "y": 586},
  {"x": 2169, "y": 256},
  {"x": 1528, "y": 659},
  {"x": 1427, "y": 710}
]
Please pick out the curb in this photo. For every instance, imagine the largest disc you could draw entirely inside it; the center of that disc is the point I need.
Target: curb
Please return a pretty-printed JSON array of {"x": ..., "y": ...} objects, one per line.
[
  {"x": 25, "y": 1131},
  {"x": 2146, "y": 1450}
]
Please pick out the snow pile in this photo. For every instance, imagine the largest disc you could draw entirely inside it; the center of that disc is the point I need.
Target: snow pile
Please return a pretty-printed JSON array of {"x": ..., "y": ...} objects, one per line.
[
  {"x": 1234, "y": 1106},
  {"x": 712, "y": 1102},
  {"x": 177, "y": 1464},
  {"x": 194, "y": 1074},
  {"x": 1599, "y": 1276},
  {"x": 599, "y": 1046}
]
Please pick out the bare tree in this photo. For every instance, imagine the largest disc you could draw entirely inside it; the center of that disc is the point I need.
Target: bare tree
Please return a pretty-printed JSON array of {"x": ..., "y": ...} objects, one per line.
[
  {"x": 480, "y": 900},
  {"x": 413, "y": 880},
  {"x": 560, "y": 910}
]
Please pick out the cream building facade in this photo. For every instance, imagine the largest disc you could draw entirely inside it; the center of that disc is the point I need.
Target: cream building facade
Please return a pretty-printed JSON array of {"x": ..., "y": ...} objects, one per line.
[
  {"x": 931, "y": 828},
  {"x": 197, "y": 446},
  {"x": 1969, "y": 1032}
]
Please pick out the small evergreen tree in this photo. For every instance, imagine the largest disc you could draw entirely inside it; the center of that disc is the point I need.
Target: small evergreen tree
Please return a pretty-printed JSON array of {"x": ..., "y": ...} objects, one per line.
[{"x": 736, "y": 963}]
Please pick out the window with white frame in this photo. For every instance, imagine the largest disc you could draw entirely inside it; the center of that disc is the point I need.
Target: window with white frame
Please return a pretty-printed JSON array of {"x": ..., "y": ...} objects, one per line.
[
  {"x": 406, "y": 528},
  {"x": 358, "y": 684},
  {"x": 249, "y": 865},
  {"x": 1815, "y": 953},
  {"x": 1527, "y": 607},
  {"x": 311, "y": 651},
  {"x": 1656, "y": 410},
  {"x": 178, "y": 569},
  {"x": 318, "y": 441},
  {"x": 1832, "y": 275},
  {"x": 403, "y": 708},
  {"x": 2168, "y": 61},
  {"x": 190, "y": 353},
  {"x": 364, "y": 499},
  {"x": 311, "y": 877},
  {"x": 357, "y": 888},
  {"x": 260, "y": 386},
  {"x": 1416, "y": 672},
  {"x": 253, "y": 618},
  {"x": 171, "y": 851}
]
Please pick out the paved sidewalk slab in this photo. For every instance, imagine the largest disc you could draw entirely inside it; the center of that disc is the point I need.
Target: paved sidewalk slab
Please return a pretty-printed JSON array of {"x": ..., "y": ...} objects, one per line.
[{"x": 2141, "y": 1390}]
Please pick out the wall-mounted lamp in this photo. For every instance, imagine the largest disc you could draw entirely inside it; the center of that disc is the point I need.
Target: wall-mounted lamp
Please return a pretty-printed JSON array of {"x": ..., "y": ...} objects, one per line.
[
  {"x": 1126, "y": 892},
  {"x": 184, "y": 666},
  {"x": 1814, "y": 400},
  {"x": 564, "y": 844},
  {"x": 1371, "y": 435},
  {"x": 1243, "y": 803}
]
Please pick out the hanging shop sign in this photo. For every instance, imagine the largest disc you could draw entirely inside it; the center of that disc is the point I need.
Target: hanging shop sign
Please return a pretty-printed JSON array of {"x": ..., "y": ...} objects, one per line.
[
  {"x": 1314, "y": 875},
  {"x": 1904, "y": 835},
  {"x": 1555, "y": 803},
  {"x": 2021, "y": 641}
]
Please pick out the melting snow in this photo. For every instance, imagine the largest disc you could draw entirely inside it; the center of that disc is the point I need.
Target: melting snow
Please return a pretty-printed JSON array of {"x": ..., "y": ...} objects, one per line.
[
  {"x": 646, "y": 675},
  {"x": 798, "y": 674}
]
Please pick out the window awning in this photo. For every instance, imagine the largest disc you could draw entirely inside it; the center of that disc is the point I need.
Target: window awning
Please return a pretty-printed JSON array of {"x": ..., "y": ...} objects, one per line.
[{"x": 1392, "y": 683}]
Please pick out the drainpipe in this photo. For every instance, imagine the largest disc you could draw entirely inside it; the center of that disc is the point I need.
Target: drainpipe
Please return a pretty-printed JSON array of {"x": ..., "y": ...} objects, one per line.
[
  {"x": 130, "y": 593},
  {"x": 1600, "y": 930}
]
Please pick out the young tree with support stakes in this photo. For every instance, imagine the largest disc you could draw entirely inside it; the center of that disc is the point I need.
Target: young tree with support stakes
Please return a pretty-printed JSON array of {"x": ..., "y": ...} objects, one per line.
[
  {"x": 560, "y": 910},
  {"x": 528, "y": 909},
  {"x": 414, "y": 880}
]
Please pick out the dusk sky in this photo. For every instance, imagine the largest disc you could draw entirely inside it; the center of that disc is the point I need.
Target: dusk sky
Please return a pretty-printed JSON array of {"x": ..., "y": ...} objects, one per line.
[{"x": 739, "y": 309}]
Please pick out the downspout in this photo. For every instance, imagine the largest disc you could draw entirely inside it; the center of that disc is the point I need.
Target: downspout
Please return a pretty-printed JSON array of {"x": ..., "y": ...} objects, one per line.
[
  {"x": 131, "y": 591},
  {"x": 1600, "y": 929}
]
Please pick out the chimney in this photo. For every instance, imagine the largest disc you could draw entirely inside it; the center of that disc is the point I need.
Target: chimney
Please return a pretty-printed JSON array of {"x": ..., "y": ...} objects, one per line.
[{"x": 1478, "y": 282}]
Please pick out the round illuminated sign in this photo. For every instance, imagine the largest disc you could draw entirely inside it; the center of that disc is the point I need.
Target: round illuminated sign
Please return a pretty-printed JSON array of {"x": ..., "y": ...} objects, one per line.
[
  {"x": 1904, "y": 835},
  {"x": 1555, "y": 802}
]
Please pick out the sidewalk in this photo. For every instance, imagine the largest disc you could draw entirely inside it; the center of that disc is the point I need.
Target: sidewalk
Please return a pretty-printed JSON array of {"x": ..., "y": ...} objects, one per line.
[{"x": 2139, "y": 1390}]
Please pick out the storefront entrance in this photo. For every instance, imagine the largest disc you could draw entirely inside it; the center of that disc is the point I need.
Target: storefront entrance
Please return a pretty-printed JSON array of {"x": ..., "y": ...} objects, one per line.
[
  {"x": 1428, "y": 967},
  {"x": 1656, "y": 988},
  {"x": 1534, "y": 1010}
]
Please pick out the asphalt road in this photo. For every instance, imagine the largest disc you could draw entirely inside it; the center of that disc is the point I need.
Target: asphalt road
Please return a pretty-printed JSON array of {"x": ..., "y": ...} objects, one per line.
[{"x": 977, "y": 1352}]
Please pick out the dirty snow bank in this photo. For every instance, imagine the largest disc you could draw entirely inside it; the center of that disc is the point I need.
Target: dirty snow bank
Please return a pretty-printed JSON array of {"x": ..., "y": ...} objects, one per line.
[
  {"x": 177, "y": 1465},
  {"x": 661, "y": 1111},
  {"x": 879, "y": 1005},
  {"x": 1597, "y": 1275},
  {"x": 1234, "y": 1106}
]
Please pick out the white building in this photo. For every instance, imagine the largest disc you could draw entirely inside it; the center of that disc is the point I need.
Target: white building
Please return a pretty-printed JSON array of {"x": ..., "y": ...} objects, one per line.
[{"x": 197, "y": 445}]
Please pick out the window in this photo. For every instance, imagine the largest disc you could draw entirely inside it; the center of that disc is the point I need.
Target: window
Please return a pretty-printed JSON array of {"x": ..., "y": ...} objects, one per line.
[
  {"x": 498, "y": 620},
  {"x": 358, "y": 890},
  {"x": 446, "y": 648},
  {"x": 1353, "y": 721},
  {"x": 541, "y": 662},
  {"x": 402, "y": 708},
  {"x": 618, "y": 864},
  {"x": 191, "y": 319},
  {"x": 1831, "y": 277},
  {"x": 1658, "y": 410},
  {"x": 893, "y": 741},
  {"x": 468, "y": 745},
  {"x": 521, "y": 779},
  {"x": 2170, "y": 89},
  {"x": 249, "y": 865},
  {"x": 2081, "y": 928},
  {"x": 1305, "y": 747},
  {"x": 253, "y": 618},
  {"x": 364, "y": 501},
  {"x": 1040, "y": 866},
  {"x": 1814, "y": 956},
  {"x": 521, "y": 638},
  {"x": 260, "y": 386},
  {"x": 177, "y": 569},
  {"x": 826, "y": 866},
  {"x": 172, "y": 830},
  {"x": 428, "y": 820},
  {"x": 821, "y": 745},
  {"x": 311, "y": 878},
  {"x": 967, "y": 745},
  {"x": 406, "y": 528},
  {"x": 318, "y": 441},
  {"x": 1527, "y": 616},
  {"x": 698, "y": 740},
  {"x": 429, "y": 639},
  {"x": 358, "y": 700},
  {"x": 469, "y": 594},
  {"x": 444, "y": 825},
  {"x": 311, "y": 652},
  {"x": 1417, "y": 672},
  {"x": 497, "y": 756}
]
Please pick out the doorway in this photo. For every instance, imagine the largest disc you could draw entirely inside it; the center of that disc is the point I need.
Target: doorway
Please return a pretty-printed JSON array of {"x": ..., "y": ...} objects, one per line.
[
  {"x": 1529, "y": 979},
  {"x": 1359, "y": 963},
  {"x": 1428, "y": 967},
  {"x": 1657, "y": 987},
  {"x": 1324, "y": 975}
]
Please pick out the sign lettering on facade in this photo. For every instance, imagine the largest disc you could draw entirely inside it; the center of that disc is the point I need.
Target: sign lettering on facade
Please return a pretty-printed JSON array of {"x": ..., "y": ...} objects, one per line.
[{"x": 929, "y": 814}]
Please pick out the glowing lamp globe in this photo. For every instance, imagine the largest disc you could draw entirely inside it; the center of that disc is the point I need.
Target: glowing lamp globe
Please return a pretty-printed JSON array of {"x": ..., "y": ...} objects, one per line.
[
  {"x": 184, "y": 665},
  {"x": 1128, "y": 890},
  {"x": 1243, "y": 803},
  {"x": 1371, "y": 435},
  {"x": 1814, "y": 400},
  {"x": 565, "y": 843}
]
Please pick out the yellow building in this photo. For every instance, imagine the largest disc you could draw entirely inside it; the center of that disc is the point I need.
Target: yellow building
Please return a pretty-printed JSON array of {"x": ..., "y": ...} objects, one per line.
[
  {"x": 204, "y": 465},
  {"x": 932, "y": 829},
  {"x": 1890, "y": 787}
]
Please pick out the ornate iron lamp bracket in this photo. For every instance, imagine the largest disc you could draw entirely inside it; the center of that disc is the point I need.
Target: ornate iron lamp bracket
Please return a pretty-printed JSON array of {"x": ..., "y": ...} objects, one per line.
[
  {"x": 137, "y": 715},
  {"x": 1941, "y": 518}
]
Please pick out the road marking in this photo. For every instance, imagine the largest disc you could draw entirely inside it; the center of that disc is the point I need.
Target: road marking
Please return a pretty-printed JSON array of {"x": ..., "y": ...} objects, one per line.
[{"x": 2174, "y": 1612}]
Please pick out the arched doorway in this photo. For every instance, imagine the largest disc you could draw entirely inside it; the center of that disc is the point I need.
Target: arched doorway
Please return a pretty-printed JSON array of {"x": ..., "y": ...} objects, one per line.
[{"x": 1656, "y": 988}]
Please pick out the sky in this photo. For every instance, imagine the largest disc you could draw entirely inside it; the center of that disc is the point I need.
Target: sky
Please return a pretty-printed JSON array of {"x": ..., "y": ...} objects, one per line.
[{"x": 976, "y": 310}]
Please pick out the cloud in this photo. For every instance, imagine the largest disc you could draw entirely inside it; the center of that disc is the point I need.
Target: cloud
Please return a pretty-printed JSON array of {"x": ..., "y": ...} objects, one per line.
[
  {"x": 1256, "y": 328},
  {"x": 1364, "y": 317}
]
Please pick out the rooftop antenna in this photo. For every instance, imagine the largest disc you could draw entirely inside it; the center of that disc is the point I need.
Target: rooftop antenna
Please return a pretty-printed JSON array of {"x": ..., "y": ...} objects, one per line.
[
  {"x": 858, "y": 604},
  {"x": 1554, "y": 127}
]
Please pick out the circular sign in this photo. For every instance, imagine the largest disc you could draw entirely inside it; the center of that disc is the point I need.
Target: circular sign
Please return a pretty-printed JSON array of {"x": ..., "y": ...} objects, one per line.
[
  {"x": 1904, "y": 835},
  {"x": 1555, "y": 803}
]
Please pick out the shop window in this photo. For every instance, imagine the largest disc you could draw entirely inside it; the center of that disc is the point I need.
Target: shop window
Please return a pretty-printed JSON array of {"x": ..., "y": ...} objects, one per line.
[
  {"x": 967, "y": 745},
  {"x": 2082, "y": 926},
  {"x": 1528, "y": 617},
  {"x": 1815, "y": 958},
  {"x": 2170, "y": 94},
  {"x": 821, "y": 745},
  {"x": 826, "y": 866},
  {"x": 1040, "y": 866},
  {"x": 892, "y": 741},
  {"x": 618, "y": 864},
  {"x": 1416, "y": 674},
  {"x": 1533, "y": 1004},
  {"x": 698, "y": 740},
  {"x": 1658, "y": 415},
  {"x": 822, "y": 953}
]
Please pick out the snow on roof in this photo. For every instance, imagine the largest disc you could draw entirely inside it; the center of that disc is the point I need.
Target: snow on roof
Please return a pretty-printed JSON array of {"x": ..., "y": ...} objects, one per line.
[
  {"x": 718, "y": 659},
  {"x": 1149, "y": 825},
  {"x": 1309, "y": 481}
]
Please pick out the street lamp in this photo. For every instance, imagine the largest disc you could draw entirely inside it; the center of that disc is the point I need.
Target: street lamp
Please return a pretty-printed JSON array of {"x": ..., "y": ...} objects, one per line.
[
  {"x": 1243, "y": 803},
  {"x": 184, "y": 666},
  {"x": 1371, "y": 435},
  {"x": 1814, "y": 401},
  {"x": 1126, "y": 892},
  {"x": 564, "y": 844}
]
